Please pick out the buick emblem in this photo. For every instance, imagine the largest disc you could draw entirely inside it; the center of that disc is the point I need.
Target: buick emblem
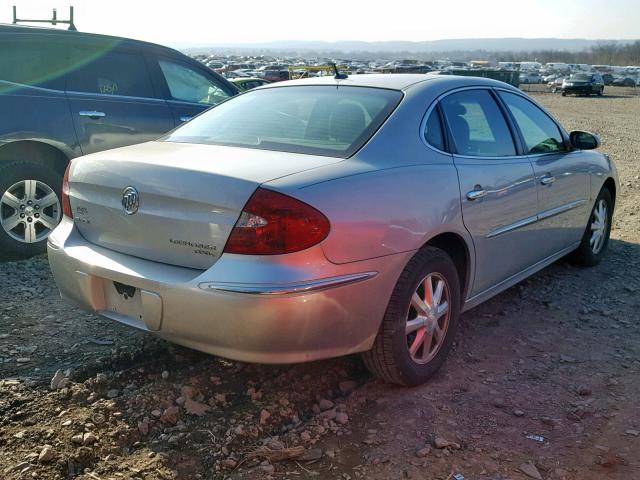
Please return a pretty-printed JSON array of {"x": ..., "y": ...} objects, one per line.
[{"x": 130, "y": 200}]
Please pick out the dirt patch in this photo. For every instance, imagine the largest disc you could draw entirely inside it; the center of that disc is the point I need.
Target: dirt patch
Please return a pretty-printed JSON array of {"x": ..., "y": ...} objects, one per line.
[{"x": 542, "y": 380}]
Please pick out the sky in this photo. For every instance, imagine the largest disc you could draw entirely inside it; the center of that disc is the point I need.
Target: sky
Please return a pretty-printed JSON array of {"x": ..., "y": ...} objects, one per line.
[{"x": 216, "y": 22}]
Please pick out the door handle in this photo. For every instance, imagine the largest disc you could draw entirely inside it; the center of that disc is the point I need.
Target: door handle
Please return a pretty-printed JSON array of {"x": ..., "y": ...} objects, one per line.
[
  {"x": 548, "y": 179},
  {"x": 91, "y": 114},
  {"x": 185, "y": 118},
  {"x": 476, "y": 194}
]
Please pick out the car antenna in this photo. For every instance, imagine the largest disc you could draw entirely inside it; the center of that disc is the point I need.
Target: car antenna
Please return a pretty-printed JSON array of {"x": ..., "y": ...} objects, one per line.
[
  {"x": 53, "y": 21},
  {"x": 338, "y": 75}
]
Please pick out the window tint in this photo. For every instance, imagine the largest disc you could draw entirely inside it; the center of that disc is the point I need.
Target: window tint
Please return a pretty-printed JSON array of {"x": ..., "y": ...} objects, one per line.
[
  {"x": 111, "y": 73},
  {"x": 477, "y": 124},
  {"x": 433, "y": 131},
  {"x": 189, "y": 85},
  {"x": 540, "y": 133},
  {"x": 320, "y": 120},
  {"x": 34, "y": 63}
]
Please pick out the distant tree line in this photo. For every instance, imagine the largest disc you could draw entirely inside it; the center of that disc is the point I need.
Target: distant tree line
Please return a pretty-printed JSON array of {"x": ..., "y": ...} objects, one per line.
[{"x": 603, "y": 53}]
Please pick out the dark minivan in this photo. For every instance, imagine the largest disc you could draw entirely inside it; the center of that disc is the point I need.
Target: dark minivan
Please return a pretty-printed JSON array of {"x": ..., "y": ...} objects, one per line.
[
  {"x": 583, "y": 84},
  {"x": 64, "y": 94}
]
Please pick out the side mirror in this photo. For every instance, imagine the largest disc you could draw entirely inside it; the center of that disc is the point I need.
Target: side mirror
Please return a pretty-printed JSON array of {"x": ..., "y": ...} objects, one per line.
[{"x": 584, "y": 140}]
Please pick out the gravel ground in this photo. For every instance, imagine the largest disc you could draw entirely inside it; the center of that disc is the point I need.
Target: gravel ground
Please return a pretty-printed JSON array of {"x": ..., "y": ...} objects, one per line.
[{"x": 542, "y": 381}]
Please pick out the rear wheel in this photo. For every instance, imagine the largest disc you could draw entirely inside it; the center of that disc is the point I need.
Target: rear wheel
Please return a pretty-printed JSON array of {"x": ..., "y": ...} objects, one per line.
[
  {"x": 601, "y": 91},
  {"x": 596, "y": 236},
  {"x": 420, "y": 321},
  {"x": 29, "y": 207}
]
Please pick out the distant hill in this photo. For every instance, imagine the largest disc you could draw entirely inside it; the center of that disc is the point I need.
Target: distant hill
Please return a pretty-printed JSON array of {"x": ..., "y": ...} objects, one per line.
[{"x": 465, "y": 44}]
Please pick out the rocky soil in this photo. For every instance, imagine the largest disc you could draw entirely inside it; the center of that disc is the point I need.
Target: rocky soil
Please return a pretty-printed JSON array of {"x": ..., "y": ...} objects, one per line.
[{"x": 543, "y": 381}]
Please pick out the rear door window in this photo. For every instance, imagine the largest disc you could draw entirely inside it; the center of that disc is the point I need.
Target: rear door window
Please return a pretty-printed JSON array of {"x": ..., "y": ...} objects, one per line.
[
  {"x": 477, "y": 125},
  {"x": 110, "y": 73},
  {"x": 188, "y": 85},
  {"x": 540, "y": 132}
]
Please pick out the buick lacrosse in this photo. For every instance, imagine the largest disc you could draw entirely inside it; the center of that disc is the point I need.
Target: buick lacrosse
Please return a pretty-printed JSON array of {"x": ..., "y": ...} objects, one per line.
[{"x": 316, "y": 218}]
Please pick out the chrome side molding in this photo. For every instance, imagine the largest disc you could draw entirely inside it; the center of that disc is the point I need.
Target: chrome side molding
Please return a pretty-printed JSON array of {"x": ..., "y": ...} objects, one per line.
[
  {"x": 536, "y": 218},
  {"x": 288, "y": 289}
]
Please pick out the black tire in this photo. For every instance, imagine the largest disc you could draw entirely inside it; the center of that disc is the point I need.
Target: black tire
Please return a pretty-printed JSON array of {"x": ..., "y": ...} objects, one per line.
[
  {"x": 389, "y": 359},
  {"x": 601, "y": 91},
  {"x": 564, "y": 94},
  {"x": 10, "y": 174},
  {"x": 584, "y": 254}
]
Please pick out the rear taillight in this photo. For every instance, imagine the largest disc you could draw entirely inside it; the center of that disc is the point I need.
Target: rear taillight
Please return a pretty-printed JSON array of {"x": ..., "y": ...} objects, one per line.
[
  {"x": 272, "y": 223},
  {"x": 66, "y": 206}
]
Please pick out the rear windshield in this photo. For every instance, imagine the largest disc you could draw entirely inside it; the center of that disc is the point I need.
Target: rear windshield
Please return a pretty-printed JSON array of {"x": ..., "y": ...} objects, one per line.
[{"x": 317, "y": 120}]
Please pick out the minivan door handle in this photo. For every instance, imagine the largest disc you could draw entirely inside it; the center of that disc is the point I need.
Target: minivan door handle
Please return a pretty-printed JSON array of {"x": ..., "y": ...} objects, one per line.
[
  {"x": 92, "y": 114},
  {"x": 476, "y": 194},
  {"x": 548, "y": 179},
  {"x": 185, "y": 118}
]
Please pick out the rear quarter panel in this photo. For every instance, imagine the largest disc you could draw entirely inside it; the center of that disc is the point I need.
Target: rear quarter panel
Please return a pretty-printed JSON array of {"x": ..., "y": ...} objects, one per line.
[{"x": 387, "y": 211}]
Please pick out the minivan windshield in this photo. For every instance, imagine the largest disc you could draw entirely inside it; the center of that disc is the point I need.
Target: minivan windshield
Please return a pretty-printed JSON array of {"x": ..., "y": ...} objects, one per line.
[
  {"x": 579, "y": 76},
  {"x": 318, "y": 120}
]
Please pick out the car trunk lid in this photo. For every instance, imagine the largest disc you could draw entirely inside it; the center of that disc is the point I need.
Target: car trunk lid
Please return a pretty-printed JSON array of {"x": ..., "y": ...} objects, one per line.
[{"x": 188, "y": 196}]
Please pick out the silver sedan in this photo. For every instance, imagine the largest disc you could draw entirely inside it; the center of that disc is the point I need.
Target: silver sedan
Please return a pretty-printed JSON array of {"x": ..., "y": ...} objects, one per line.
[{"x": 329, "y": 216}]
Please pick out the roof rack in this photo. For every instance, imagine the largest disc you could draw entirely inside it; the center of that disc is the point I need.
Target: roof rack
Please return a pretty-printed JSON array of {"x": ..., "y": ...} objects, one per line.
[{"x": 53, "y": 21}]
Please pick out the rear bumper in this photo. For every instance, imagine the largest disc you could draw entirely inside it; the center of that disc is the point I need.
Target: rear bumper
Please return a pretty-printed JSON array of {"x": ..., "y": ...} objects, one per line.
[{"x": 279, "y": 309}]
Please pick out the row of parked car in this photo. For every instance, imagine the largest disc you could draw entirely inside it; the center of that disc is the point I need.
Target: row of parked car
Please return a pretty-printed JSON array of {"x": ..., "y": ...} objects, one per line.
[{"x": 530, "y": 77}]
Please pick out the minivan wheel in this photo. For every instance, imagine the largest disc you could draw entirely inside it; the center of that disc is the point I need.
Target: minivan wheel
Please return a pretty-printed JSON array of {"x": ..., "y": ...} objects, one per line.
[
  {"x": 29, "y": 208},
  {"x": 596, "y": 236},
  {"x": 601, "y": 91},
  {"x": 420, "y": 321}
]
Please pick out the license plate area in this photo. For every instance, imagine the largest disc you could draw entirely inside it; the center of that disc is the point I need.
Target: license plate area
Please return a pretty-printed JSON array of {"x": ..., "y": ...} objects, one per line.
[
  {"x": 124, "y": 300},
  {"x": 127, "y": 291}
]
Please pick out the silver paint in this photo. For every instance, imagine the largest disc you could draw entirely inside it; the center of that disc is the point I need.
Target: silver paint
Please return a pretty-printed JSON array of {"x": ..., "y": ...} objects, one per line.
[{"x": 384, "y": 203}]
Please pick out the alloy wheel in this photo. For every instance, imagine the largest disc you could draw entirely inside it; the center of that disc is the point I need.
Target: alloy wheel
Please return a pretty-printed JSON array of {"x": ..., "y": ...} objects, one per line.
[
  {"x": 29, "y": 211},
  {"x": 599, "y": 220},
  {"x": 428, "y": 318}
]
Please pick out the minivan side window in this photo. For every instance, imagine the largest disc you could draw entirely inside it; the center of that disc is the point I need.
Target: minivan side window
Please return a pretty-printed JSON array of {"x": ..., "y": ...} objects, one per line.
[
  {"x": 188, "y": 85},
  {"x": 477, "y": 125},
  {"x": 111, "y": 73},
  {"x": 540, "y": 132},
  {"x": 36, "y": 64},
  {"x": 433, "y": 130}
]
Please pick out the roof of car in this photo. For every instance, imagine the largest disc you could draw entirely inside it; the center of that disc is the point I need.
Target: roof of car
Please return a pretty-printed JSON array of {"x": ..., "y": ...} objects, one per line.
[
  {"x": 396, "y": 81},
  {"x": 26, "y": 29},
  {"x": 383, "y": 80}
]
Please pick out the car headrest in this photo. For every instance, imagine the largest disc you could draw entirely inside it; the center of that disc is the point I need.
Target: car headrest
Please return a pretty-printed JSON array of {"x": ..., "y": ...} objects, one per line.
[
  {"x": 347, "y": 122},
  {"x": 456, "y": 109}
]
